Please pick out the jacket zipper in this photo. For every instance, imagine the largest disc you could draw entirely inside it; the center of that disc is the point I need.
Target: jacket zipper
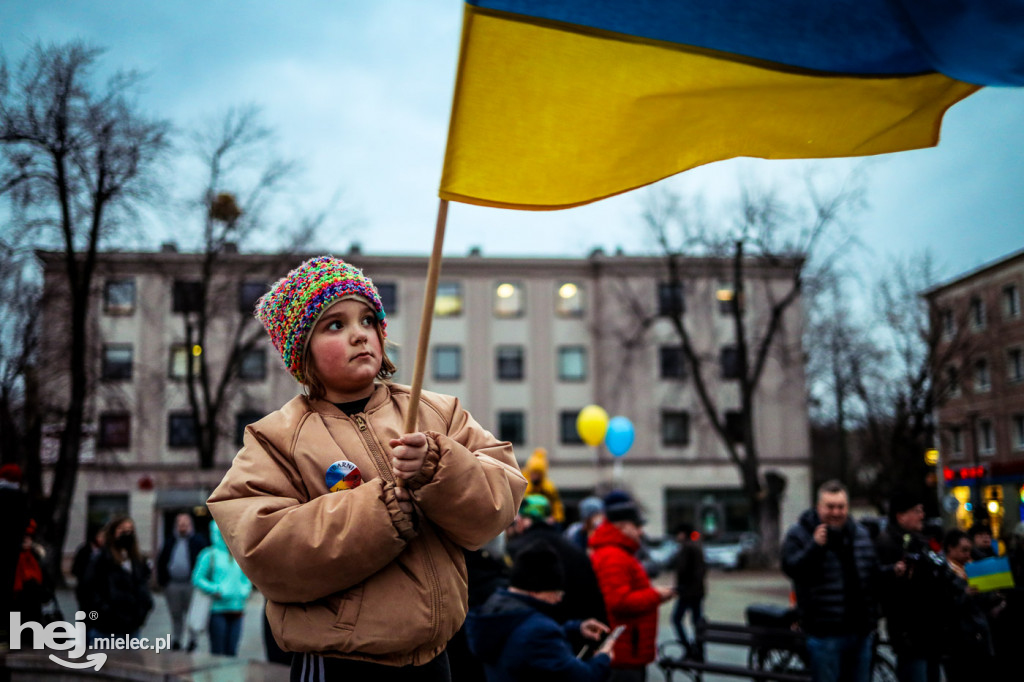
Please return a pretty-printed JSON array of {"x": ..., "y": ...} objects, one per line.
[{"x": 385, "y": 471}]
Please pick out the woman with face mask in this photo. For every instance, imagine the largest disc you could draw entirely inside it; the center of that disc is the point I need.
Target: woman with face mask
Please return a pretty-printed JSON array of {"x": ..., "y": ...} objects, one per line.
[{"x": 117, "y": 584}]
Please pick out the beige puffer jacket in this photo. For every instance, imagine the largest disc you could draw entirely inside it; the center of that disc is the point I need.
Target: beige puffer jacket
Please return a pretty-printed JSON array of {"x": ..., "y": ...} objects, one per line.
[{"x": 347, "y": 573}]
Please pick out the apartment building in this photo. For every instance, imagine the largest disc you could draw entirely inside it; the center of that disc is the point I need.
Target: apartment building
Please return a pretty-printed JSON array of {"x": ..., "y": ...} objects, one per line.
[
  {"x": 525, "y": 343},
  {"x": 981, "y": 419}
]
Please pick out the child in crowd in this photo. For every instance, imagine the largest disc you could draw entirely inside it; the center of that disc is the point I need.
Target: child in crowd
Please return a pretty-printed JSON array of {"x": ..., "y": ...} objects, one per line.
[{"x": 352, "y": 529}]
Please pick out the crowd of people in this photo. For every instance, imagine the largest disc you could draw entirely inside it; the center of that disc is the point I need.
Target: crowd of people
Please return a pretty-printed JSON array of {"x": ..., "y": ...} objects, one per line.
[{"x": 846, "y": 579}]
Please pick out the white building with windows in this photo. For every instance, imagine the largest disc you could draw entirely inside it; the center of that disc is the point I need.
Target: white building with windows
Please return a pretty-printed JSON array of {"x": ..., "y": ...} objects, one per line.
[{"x": 525, "y": 343}]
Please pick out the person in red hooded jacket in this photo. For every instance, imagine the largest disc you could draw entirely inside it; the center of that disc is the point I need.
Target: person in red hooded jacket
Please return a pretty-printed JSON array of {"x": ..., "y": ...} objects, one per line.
[{"x": 630, "y": 598}]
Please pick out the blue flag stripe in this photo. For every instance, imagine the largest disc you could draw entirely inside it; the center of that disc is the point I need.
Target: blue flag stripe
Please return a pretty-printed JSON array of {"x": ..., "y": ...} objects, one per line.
[{"x": 993, "y": 566}]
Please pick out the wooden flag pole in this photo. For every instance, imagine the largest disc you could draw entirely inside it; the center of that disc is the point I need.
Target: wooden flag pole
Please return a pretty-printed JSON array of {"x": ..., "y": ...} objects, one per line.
[{"x": 429, "y": 294}]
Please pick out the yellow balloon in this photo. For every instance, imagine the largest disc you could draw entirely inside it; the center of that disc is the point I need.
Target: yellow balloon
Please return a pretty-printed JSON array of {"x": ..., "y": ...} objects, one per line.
[{"x": 591, "y": 424}]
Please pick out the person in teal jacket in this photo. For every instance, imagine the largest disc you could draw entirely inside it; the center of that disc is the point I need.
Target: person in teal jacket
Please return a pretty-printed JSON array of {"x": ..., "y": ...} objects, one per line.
[{"x": 217, "y": 574}]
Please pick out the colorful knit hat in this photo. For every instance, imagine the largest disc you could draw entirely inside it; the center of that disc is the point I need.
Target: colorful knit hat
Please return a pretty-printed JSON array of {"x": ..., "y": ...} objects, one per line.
[{"x": 293, "y": 305}]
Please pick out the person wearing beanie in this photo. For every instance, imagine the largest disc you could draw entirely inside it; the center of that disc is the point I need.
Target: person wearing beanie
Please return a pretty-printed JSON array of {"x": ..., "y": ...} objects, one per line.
[
  {"x": 914, "y": 615},
  {"x": 582, "y": 599},
  {"x": 352, "y": 528},
  {"x": 14, "y": 510},
  {"x": 591, "y": 510},
  {"x": 515, "y": 635},
  {"x": 536, "y": 473},
  {"x": 630, "y": 598}
]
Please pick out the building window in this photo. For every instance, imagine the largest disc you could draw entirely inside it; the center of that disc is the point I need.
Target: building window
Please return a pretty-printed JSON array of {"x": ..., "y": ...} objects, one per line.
[
  {"x": 1018, "y": 432},
  {"x": 982, "y": 378},
  {"x": 986, "y": 437},
  {"x": 181, "y": 430},
  {"x": 729, "y": 359},
  {"x": 956, "y": 441},
  {"x": 447, "y": 363},
  {"x": 569, "y": 302},
  {"x": 724, "y": 295},
  {"x": 252, "y": 365},
  {"x": 248, "y": 294},
  {"x": 734, "y": 429},
  {"x": 509, "y": 300},
  {"x": 187, "y": 296},
  {"x": 572, "y": 363},
  {"x": 242, "y": 420},
  {"x": 948, "y": 323},
  {"x": 512, "y": 427},
  {"x": 670, "y": 299},
  {"x": 672, "y": 362},
  {"x": 1015, "y": 365},
  {"x": 114, "y": 430},
  {"x": 568, "y": 435},
  {"x": 977, "y": 312},
  {"x": 117, "y": 362},
  {"x": 509, "y": 360},
  {"x": 952, "y": 382},
  {"x": 1011, "y": 301},
  {"x": 449, "y": 300},
  {"x": 675, "y": 427},
  {"x": 388, "y": 292},
  {"x": 119, "y": 297},
  {"x": 178, "y": 367}
]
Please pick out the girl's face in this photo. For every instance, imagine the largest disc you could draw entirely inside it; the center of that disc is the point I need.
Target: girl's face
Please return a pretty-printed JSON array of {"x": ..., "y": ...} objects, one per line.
[
  {"x": 346, "y": 351},
  {"x": 124, "y": 528}
]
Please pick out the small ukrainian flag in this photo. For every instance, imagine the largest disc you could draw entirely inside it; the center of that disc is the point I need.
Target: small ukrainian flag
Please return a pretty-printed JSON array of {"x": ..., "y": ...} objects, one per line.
[{"x": 989, "y": 574}]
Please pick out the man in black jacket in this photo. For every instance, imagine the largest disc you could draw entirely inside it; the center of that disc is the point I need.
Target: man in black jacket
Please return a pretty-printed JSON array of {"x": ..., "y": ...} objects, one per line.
[
  {"x": 174, "y": 573},
  {"x": 832, "y": 563}
]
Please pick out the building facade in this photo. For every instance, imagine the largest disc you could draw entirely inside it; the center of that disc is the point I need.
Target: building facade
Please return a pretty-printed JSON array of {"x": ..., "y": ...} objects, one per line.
[
  {"x": 525, "y": 343},
  {"x": 980, "y": 328}
]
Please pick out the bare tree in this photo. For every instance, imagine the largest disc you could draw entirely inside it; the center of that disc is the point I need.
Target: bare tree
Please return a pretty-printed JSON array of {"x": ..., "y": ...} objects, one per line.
[
  {"x": 766, "y": 233},
  {"x": 244, "y": 179},
  {"x": 76, "y": 156}
]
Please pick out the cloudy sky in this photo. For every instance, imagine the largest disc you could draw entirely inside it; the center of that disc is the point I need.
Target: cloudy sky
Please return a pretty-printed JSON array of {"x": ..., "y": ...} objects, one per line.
[{"x": 360, "y": 93}]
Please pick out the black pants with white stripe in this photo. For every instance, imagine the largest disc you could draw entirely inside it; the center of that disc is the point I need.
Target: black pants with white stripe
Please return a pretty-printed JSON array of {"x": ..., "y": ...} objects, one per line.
[{"x": 315, "y": 668}]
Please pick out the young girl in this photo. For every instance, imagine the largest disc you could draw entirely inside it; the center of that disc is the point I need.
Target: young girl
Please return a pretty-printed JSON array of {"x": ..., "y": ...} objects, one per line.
[{"x": 363, "y": 578}]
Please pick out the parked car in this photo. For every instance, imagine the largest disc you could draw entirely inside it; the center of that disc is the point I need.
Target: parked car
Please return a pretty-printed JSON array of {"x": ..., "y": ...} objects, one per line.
[{"x": 729, "y": 550}]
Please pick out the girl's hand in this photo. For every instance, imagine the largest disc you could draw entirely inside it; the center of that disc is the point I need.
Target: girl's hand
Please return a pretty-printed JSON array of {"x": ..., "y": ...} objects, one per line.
[
  {"x": 592, "y": 628},
  {"x": 408, "y": 454}
]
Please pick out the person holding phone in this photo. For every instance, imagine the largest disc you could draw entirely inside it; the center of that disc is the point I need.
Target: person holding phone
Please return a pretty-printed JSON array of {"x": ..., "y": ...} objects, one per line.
[{"x": 515, "y": 636}]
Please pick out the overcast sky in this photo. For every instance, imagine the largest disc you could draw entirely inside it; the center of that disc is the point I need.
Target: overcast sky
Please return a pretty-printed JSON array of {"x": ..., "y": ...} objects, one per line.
[{"x": 360, "y": 92}]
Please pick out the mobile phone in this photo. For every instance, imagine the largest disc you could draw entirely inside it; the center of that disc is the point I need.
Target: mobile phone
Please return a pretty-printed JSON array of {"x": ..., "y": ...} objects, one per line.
[{"x": 614, "y": 635}]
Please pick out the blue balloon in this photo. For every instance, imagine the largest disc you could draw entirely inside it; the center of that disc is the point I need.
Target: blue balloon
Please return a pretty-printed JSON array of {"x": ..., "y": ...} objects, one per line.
[{"x": 619, "y": 436}]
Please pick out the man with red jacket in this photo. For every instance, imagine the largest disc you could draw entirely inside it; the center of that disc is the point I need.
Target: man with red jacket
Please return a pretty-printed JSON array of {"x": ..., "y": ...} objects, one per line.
[{"x": 630, "y": 598}]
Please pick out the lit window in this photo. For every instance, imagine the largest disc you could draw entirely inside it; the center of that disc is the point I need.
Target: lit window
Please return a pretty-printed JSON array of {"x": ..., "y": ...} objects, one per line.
[
  {"x": 252, "y": 366},
  {"x": 1015, "y": 365},
  {"x": 509, "y": 362},
  {"x": 449, "y": 300},
  {"x": 447, "y": 363},
  {"x": 186, "y": 296},
  {"x": 178, "y": 366},
  {"x": 672, "y": 362},
  {"x": 977, "y": 308},
  {"x": 675, "y": 427},
  {"x": 725, "y": 295},
  {"x": 512, "y": 427},
  {"x": 388, "y": 297},
  {"x": 181, "y": 430},
  {"x": 119, "y": 297},
  {"x": 1011, "y": 301},
  {"x": 117, "y": 362},
  {"x": 568, "y": 435},
  {"x": 248, "y": 294},
  {"x": 114, "y": 430},
  {"x": 670, "y": 299},
  {"x": 572, "y": 363},
  {"x": 982, "y": 379},
  {"x": 509, "y": 299},
  {"x": 986, "y": 437},
  {"x": 569, "y": 302}
]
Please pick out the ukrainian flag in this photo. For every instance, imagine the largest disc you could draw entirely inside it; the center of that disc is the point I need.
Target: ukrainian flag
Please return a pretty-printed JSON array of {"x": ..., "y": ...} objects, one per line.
[
  {"x": 989, "y": 574},
  {"x": 563, "y": 102}
]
